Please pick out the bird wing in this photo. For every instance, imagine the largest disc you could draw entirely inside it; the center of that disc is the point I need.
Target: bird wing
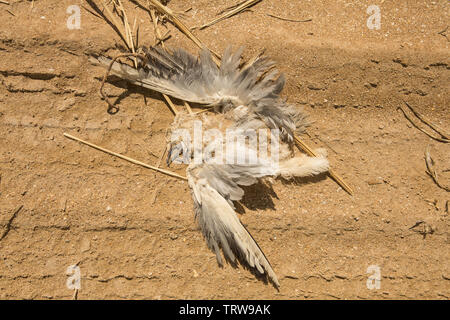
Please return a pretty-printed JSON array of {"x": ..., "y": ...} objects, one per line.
[
  {"x": 198, "y": 79},
  {"x": 218, "y": 221}
]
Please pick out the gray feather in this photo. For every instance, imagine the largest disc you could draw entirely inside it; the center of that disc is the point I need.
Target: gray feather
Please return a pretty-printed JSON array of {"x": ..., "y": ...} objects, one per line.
[
  {"x": 186, "y": 77},
  {"x": 220, "y": 225}
]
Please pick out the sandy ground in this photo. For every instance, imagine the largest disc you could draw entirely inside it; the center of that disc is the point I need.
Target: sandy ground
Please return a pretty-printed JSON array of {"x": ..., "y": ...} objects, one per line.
[{"x": 133, "y": 231}]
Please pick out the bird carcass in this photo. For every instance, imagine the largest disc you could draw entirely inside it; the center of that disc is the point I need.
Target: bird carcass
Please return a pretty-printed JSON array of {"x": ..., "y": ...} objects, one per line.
[{"x": 245, "y": 135}]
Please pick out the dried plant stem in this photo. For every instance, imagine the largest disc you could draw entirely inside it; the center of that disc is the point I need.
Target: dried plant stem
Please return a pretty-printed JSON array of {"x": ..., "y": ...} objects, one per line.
[
  {"x": 156, "y": 191},
  {"x": 287, "y": 19},
  {"x": 188, "y": 107},
  {"x": 431, "y": 171},
  {"x": 204, "y": 110},
  {"x": 170, "y": 103},
  {"x": 230, "y": 13},
  {"x": 128, "y": 32},
  {"x": 169, "y": 173},
  {"x": 120, "y": 28},
  {"x": 9, "y": 223},
  {"x": 443, "y": 33},
  {"x": 179, "y": 24},
  {"x": 160, "y": 39},
  {"x": 111, "y": 106},
  {"x": 428, "y": 123},
  {"x": 440, "y": 139},
  {"x": 253, "y": 59},
  {"x": 171, "y": 15},
  {"x": 156, "y": 28}
]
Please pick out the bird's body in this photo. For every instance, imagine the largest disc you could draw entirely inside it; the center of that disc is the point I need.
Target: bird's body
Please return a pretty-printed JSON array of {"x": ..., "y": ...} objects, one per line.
[{"x": 228, "y": 147}]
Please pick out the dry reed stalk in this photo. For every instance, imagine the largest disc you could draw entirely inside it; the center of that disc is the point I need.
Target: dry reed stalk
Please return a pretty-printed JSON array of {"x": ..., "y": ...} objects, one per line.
[
  {"x": 287, "y": 19},
  {"x": 431, "y": 171},
  {"x": 434, "y": 127},
  {"x": 148, "y": 166},
  {"x": 237, "y": 9}
]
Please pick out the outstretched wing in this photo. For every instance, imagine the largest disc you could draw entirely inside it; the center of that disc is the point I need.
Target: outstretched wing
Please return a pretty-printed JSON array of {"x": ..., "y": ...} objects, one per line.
[
  {"x": 219, "y": 223},
  {"x": 215, "y": 187},
  {"x": 199, "y": 80}
]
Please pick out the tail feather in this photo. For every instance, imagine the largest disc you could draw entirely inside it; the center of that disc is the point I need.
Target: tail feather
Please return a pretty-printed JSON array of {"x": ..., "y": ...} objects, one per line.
[{"x": 302, "y": 166}]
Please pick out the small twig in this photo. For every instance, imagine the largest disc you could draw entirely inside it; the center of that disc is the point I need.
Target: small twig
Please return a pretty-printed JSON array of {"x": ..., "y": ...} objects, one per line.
[
  {"x": 418, "y": 223},
  {"x": 128, "y": 31},
  {"x": 431, "y": 170},
  {"x": 108, "y": 17},
  {"x": 158, "y": 188},
  {"x": 4, "y": 2},
  {"x": 169, "y": 173},
  {"x": 231, "y": 12},
  {"x": 323, "y": 141},
  {"x": 92, "y": 12},
  {"x": 161, "y": 157},
  {"x": 253, "y": 59},
  {"x": 428, "y": 123},
  {"x": 159, "y": 38},
  {"x": 165, "y": 37},
  {"x": 119, "y": 27},
  {"x": 170, "y": 103},
  {"x": 442, "y": 33},
  {"x": 9, "y": 223},
  {"x": 420, "y": 129},
  {"x": 156, "y": 192},
  {"x": 11, "y": 13},
  {"x": 433, "y": 203},
  {"x": 426, "y": 228},
  {"x": 287, "y": 19},
  {"x": 111, "y": 106},
  {"x": 178, "y": 23},
  {"x": 188, "y": 107},
  {"x": 234, "y": 6},
  {"x": 204, "y": 110}
]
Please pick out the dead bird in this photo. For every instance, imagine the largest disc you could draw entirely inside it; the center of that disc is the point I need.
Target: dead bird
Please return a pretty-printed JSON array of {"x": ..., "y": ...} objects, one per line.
[{"x": 244, "y": 101}]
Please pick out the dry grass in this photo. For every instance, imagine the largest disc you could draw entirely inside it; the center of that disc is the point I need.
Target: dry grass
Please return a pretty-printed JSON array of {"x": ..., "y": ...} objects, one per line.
[
  {"x": 431, "y": 171},
  {"x": 118, "y": 155},
  {"x": 231, "y": 12},
  {"x": 287, "y": 19}
]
